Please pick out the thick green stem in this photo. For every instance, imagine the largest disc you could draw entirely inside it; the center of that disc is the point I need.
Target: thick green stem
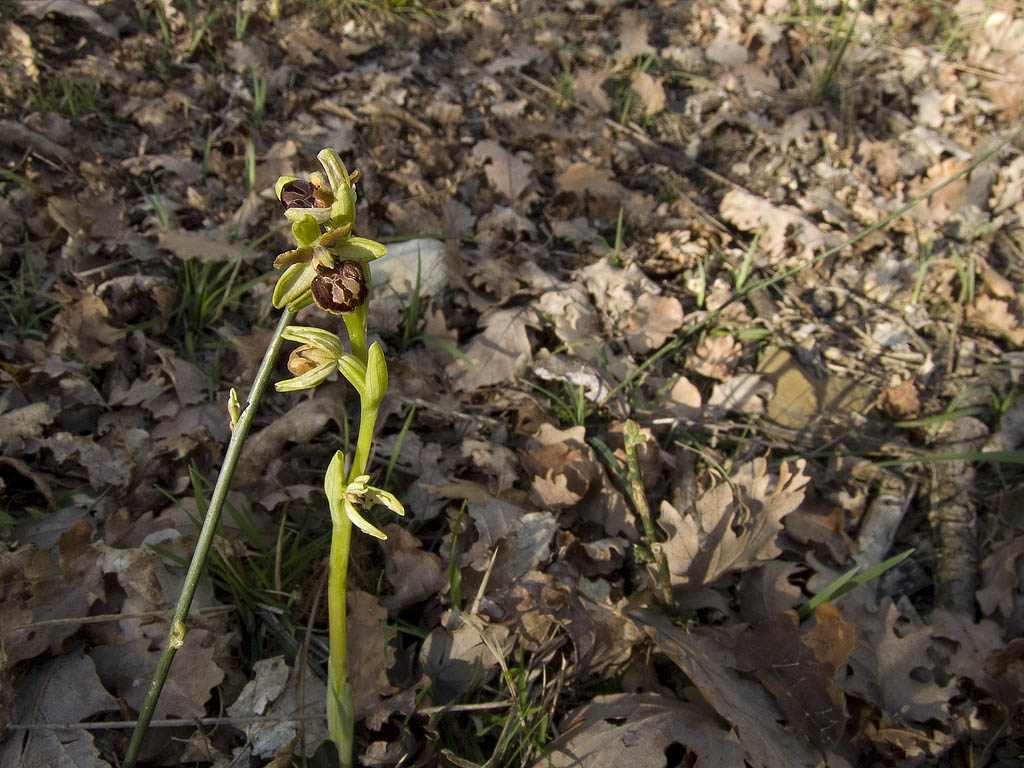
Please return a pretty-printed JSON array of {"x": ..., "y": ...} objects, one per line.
[
  {"x": 340, "y": 697},
  {"x": 364, "y": 444},
  {"x": 176, "y": 635}
]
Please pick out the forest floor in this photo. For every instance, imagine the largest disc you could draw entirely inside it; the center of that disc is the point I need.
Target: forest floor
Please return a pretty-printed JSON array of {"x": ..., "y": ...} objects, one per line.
[{"x": 689, "y": 217}]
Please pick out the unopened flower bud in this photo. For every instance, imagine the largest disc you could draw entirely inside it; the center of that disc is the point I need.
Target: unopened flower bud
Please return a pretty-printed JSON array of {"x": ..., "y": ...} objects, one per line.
[
  {"x": 376, "y": 374},
  {"x": 305, "y": 358}
]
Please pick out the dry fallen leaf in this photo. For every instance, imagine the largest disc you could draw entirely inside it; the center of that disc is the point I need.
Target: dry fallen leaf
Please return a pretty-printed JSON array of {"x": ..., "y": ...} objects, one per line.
[
  {"x": 61, "y": 690},
  {"x": 777, "y": 224},
  {"x": 721, "y": 536},
  {"x": 415, "y": 575},
  {"x": 716, "y": 357},
  {"x": 508, "y": 174},
  {"x": 498, "y": 354},
  {"x": 638, "y": 730},
  {"x": 901, "y": 401},
  {"x": 798, "y": 669},
  {"x": 650, "y": 90},
  {"x": 707, "y": 658}
]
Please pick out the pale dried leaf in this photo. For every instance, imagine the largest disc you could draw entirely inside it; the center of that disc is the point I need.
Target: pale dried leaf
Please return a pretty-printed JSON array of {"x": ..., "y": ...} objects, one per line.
[
  {"x": 650, "y": 90},
  {"x": 633, "y": 32},
  {"x": 743, "y": 393},
  {"x": 271, "y": 700},
  {"x": 894, "y": 670},
  {"x": 994, "y": 316},
  {"x": 508, "y": 174},
  {"x": 498, "y": 354},
  {"x": 653, "y": 320},
  {"x": 589, "y": 88},
  {"x": 778, "y": 225},
  {"x": 188, "y": 244},
  {"x": 460, "y": 654}
]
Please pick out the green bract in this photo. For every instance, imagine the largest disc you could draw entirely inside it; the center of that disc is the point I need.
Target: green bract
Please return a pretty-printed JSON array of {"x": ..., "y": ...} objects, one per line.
[{"x": 345, "y": 496}]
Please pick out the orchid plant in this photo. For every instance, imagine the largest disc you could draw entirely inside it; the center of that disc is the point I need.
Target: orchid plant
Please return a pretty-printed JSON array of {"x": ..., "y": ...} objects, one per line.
[{"x": 329, "y": 267}]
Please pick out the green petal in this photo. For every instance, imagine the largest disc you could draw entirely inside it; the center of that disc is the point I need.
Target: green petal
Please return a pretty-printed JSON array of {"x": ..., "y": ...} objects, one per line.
[
  {"x": 308, "y": 380},
  {"x": 360, "y": 522},
  {"x": 389, "y": 500}
]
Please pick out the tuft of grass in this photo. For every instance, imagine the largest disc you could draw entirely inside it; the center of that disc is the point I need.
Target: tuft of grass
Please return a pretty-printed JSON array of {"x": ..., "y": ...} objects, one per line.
[
  {"x": 572, "y": 409},
  {"x": 205, "y": 290},
  {"x": 265, "y": 581},
  {"x": 198, "y": 27},
  {"x": 848, "y": 582},
  {"x": 56, "y": 91},
  {"x": 23, "y": 299},
  {"x": 614, "y": 249}
]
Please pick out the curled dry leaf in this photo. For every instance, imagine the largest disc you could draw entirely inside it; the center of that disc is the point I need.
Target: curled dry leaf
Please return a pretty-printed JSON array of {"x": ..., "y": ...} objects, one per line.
[
  {"x": 498, "y": 354},
  {"x": 562, "y": 467},
  {"x": 463, "y": 652},
  {"x": 777, "y": 225},
  {"x": 901, "y": 401}
]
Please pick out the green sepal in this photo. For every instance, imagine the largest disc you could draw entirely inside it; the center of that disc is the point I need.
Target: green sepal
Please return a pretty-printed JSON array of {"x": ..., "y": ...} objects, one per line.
[
  {"x": 316, "y": 337},
  {"x": 376, "y": 375},
  {"x": 305, "y": 229},
  {"x": 337, "y": 173},
  {"x": 352, "y": 368},
  {"x": 293, "y": 283},
  {"x": 308, "y": 380},
  {"x": 281, "y": 181}
]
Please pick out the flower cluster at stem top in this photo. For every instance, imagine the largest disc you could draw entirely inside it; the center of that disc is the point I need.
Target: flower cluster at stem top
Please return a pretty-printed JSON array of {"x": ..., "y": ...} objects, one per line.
[{"x": 330, "y": 267}]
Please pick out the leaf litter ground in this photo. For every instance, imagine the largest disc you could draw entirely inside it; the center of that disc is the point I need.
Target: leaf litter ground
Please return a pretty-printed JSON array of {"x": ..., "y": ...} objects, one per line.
[{"x": 584, "y": 187}]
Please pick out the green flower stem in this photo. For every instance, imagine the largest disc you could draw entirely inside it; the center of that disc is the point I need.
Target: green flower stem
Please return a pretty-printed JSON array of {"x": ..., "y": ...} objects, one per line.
[
  {"x": 340, "y": 696},
  {"x": 176, "y": 635}
]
